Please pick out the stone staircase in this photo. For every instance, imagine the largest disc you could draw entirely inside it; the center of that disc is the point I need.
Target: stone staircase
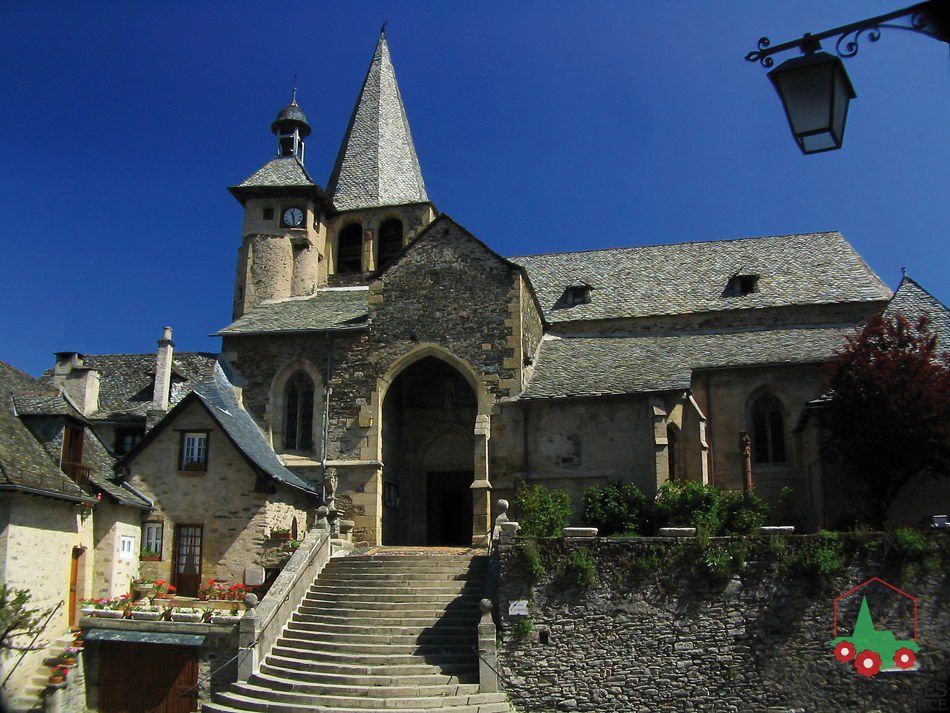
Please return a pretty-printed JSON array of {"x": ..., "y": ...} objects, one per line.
[{"x": 390, "y": 629}]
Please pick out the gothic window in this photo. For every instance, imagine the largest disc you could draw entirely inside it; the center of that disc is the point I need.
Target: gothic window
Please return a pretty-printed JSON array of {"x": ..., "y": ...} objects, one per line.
[
  {"x": 349, "y": 256},
  {"x": 390, "y": 241},
  {"x": 671, "y": 450},
  {"x": 768, "y": 430},
  {"x": 298, "y": 415}
]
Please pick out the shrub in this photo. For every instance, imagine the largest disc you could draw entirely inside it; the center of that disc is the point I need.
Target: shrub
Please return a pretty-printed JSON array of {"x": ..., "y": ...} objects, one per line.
[
  {"x": 580, "y": 569},
  {"x": 615, "y": 508},
  {"x": 824, "y": 556},
  {"x": 523, "y": 628},
  {"x": 542, "y": 512},
  {"x": 738, "y": 517},
  {"x": 531, "y": 561},
  {"x": 718, "y": 561},
  {"x": 907, "y": 544},
  {"x": 645, "y": 561},
  {"x": 688, "y": 504}
]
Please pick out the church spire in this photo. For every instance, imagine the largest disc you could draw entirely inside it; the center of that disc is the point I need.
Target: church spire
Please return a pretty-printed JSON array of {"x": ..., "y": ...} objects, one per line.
[{"x": 377, "y": 164}]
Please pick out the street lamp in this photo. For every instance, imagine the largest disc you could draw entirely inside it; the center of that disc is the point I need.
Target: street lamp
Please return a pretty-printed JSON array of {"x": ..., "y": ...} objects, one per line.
[{"x": 815, "y": 89}]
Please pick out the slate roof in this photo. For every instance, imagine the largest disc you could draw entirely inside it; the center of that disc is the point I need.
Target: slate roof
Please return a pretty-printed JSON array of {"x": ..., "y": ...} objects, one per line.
[
  {"x": 125, "y": 381},
  {"x": 327, "y": 310},
  {"x": 24, "y": 463},
  {"x": 678, "y": 278},
  {"x": 283, "y": 171},
  {"x": 377, "y": 163},
  {"x": 589, "y": 366},
  {"x": 913, "y": 301}
]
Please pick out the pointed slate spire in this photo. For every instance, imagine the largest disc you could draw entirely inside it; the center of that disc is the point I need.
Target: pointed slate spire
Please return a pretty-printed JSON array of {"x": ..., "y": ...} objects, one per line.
[{"x": 377, "y": 164}]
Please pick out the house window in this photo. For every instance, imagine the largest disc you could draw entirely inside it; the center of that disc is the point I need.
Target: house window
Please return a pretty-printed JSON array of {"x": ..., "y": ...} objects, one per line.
[
  {"x": 298, "y": 421},
  {"x": 267, "y": 213},
  {"x": 126, "y": 547},
  {"x": 742, "y": 285},
  {"x": 194, "y": 451},
  {"x": 126, "y": 439},
  {"x": 671, "y": 450},
  {"x": 768, "y": 430},
  {"x": 152, "y": 539},
  {"x": 577, "y": 293},
  {"x": 390, "y": 241},
  {"x": 349, "y": 256}
]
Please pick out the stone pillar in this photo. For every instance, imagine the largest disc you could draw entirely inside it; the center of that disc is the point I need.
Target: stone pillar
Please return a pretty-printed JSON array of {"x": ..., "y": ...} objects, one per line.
[
  {"x": 481, "y": 486},
  {"x": 745, "y": 447},
  {"x": 487, "y": 649},
  {"x": 249, "y": 628}
]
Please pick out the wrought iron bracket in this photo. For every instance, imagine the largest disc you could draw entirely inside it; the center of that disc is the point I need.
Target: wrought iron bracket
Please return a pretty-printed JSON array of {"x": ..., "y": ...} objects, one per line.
[{"x": 931, "y": 18}]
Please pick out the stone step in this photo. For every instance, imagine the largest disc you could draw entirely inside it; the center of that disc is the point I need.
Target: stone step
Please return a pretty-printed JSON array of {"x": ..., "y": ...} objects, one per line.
[
  {"x": 339, "y": 575},
  {"x": 345, "y": 586},
  {"x": 345, "y": 656},
  {"x": 217, "y": 707},
  {"x": 258, "y": 698},
  {"x": 319, "y": 629},
  {"x": 401, "y": 690},
  {"x": 370, "y": 677},
  {"x": 370, "y": 643},
  {"x": 462, "y": 665},
  {"x": 383, "y": 596},
  {"x": 366, "y": 617},
  {"x": 366, "y": 607}
]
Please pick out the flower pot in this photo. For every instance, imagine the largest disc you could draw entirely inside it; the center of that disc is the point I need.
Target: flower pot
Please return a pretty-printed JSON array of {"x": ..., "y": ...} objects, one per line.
[
  {"x": 88, "y": 611},
  {"x": 191, "y": 617},
  {"x": 147, "y": 615},
  {"x": 225, "y": 618},
  {"x": 109, "y": 613},
  {"x": 55, "y": 680}
]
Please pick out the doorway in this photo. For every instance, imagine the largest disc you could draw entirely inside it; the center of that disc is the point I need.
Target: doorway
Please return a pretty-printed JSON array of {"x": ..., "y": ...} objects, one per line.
[
  {"x": 428, "y": 456},
  {"x": 449, "y": 503},
  {"x": 74, "y": 569},
  {"x": 186, "y": 570},
  {"x": 148, "y": 677}
]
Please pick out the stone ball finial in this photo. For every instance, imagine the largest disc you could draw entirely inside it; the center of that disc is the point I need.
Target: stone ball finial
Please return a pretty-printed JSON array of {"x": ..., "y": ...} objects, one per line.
[
  {"x": 485, "y": 606},
  {"x": 251, "y": 600},
  {"x": 502, "y": 506},
  {"x": 322, "y": 512}
]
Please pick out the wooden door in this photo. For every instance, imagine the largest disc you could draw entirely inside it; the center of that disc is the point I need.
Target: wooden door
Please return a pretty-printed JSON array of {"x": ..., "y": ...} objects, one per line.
[
  {"x": 72, "y": 445},
  {"x": 148, "y": 678},
  {"x": 74, "y": 584},
  {"x": 186, "y": 572}
]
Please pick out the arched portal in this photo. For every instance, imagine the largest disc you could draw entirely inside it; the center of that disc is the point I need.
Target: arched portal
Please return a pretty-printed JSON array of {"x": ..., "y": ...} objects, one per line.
[{"x": 428, "y": 456}]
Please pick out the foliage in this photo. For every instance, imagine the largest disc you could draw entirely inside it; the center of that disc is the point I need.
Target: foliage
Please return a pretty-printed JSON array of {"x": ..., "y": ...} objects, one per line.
[
  {"x": 580, "y": 569},
  {"x": 890, "y": 407},
  {"x": 531, "y": 562},
  {"x": 907, "y": 544},
  {"x": 18, "y": 619},
  {"x": 785, "y": 513},
  {"x": 542, "y": 512},
  {"x": 688, "y": 504},
  {"x": 718, "y": 562},
  {"x": 523, "y": 628},
  {"x": 737, "y": 516},
  {"x": 615, "y": 508},
  {"x": 647, "y": 560},
  {"x": 822, "y": 556}
]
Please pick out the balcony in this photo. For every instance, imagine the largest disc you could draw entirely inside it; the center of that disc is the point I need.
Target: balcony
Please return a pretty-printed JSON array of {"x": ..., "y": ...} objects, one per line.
[{"x": 78, "y": 472}]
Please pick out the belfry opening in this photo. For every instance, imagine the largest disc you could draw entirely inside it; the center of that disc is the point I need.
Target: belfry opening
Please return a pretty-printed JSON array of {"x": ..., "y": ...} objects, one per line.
[{"x": 428, "y": 456}]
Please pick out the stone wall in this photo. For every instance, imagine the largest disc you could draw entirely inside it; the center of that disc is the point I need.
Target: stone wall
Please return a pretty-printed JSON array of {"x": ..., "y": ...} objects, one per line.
[
  {"x": 666, "y": 638},
  {"x": 236, "y": 513},
  {"x": 113, "y": 575}
]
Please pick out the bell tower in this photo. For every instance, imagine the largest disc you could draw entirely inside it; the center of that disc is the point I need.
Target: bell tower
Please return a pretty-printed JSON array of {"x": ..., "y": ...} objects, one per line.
[{"x": 283, "y": 243}]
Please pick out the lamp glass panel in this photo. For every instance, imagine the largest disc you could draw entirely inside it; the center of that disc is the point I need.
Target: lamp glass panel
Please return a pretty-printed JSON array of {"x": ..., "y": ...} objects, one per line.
[
  {"x": 842, "y": 95},
  {"x": 818, "y": 142},
  {"x": 805, "y": 91}
]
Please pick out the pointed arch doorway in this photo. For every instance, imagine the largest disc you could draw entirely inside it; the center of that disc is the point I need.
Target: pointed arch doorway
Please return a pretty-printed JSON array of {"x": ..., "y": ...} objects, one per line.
[{"x": 428, "y": 456}]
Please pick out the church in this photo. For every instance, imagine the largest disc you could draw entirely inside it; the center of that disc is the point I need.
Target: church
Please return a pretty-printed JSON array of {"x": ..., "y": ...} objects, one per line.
[{"x": 387, "y": 363}]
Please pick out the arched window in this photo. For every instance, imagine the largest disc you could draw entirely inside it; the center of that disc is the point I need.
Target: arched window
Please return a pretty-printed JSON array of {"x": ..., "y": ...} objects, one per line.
[
  {"x": 293, "y": 528},
  {"x": 298, "y": 420},
  {"x": 768, "y": 430},
  {"x": 349, "y": 251},
  {"x": 671, "y": 450},
  {"x": 390, "y": 241}
]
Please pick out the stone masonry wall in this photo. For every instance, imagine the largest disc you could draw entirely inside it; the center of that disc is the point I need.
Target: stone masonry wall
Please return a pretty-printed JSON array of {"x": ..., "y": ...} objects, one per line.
[{"x": 682, "y": 641}]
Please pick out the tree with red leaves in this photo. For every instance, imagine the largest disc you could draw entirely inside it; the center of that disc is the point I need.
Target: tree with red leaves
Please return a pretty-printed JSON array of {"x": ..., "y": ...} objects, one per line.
[{"x": 890, "y": 408}]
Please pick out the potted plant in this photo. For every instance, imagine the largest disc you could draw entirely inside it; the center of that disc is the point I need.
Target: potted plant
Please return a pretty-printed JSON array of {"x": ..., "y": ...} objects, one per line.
[
  {"x": 112, "y": 608},
  {"x": 279, "y": 533},
  {"x": 187, "y": 614},
  {"x": 58, "y": 675},
  {"x": 87, "y": 607},
  {"x": 69, "y": 657},
  {"x": 143, "y": 588},
  {"x": 147, "y": 613},
  {"x": 147, "y": 555}
]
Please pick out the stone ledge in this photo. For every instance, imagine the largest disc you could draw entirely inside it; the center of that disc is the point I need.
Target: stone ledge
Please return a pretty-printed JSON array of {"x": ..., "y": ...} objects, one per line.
[{"x": 677, "y": 532}]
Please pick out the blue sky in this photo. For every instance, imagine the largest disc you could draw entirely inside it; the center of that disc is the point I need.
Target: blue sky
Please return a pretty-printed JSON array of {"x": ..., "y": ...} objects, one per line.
[{"x": 540, "y": 126}]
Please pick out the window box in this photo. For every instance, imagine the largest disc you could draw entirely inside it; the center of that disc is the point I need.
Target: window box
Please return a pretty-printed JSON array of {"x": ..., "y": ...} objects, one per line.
[
  {"x": 109, "y": 613},
  {"x": 225, "y": 618},
  {"x": 150, "y": 614},
  {"x": 87, "y": 611},
  {"x": 192, "y": 616},
  {"x": 150, "y": 557}
]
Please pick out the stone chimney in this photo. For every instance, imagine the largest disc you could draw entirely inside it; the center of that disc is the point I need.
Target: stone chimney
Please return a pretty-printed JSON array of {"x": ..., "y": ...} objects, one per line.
[
  {"x": 82, "y": 388},
  {"x": 163, "y": 378},
  {"x": 65, "y": 363}
]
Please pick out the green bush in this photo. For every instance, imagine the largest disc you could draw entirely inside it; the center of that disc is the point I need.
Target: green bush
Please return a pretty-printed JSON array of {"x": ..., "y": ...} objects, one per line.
[
  {"x": 580, "y": 569},
  {"x": 542, "y": 512},
  {"x": 615, "y": 508},
  {"x": 738, "y": 517},
  {"x": 688, "y": 504},
  {"x": 718, "y": 561},
  {"x": 522, "y": 628},
  {"x": 531, "y": 561},
  {"x": 823, "y": 556},
  {"x": 907, "y": 544},
  {"x": 646, "y": 561}
]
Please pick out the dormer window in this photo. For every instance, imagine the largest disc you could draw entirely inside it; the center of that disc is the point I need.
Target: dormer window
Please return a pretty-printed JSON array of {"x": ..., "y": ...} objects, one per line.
[
  {"x": 577, "y": 293},
  {"x": 743, "y": 284}
]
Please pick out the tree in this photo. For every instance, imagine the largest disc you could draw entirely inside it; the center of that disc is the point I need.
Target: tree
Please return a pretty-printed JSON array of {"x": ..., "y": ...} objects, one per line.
[
  {"x": 17, "y": 620},
  {"x": 890, "y": 408}
]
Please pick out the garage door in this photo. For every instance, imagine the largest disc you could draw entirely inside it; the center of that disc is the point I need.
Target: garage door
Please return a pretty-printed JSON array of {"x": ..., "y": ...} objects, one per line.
[{"x": 147, "y": 678}]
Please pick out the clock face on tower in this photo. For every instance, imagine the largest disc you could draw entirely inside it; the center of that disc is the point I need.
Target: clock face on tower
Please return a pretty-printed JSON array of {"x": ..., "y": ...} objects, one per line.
[{"x": 293, "y": 217}]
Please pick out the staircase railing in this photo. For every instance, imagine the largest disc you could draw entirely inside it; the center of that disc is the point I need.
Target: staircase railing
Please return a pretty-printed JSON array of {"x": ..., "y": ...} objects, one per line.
[{"x": 262, "y": 625}]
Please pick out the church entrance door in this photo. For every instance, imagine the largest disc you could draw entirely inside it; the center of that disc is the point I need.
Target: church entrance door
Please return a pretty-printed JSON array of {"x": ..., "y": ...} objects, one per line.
[{"x": 428, "y": 456}]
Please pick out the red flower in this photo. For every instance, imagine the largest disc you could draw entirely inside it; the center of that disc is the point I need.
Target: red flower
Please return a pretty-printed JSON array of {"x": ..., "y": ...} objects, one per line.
[
  {"x": 904, "y": 658},
  {"x": 844, "y": 651},
  {"x": 867, "y": 663}
]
